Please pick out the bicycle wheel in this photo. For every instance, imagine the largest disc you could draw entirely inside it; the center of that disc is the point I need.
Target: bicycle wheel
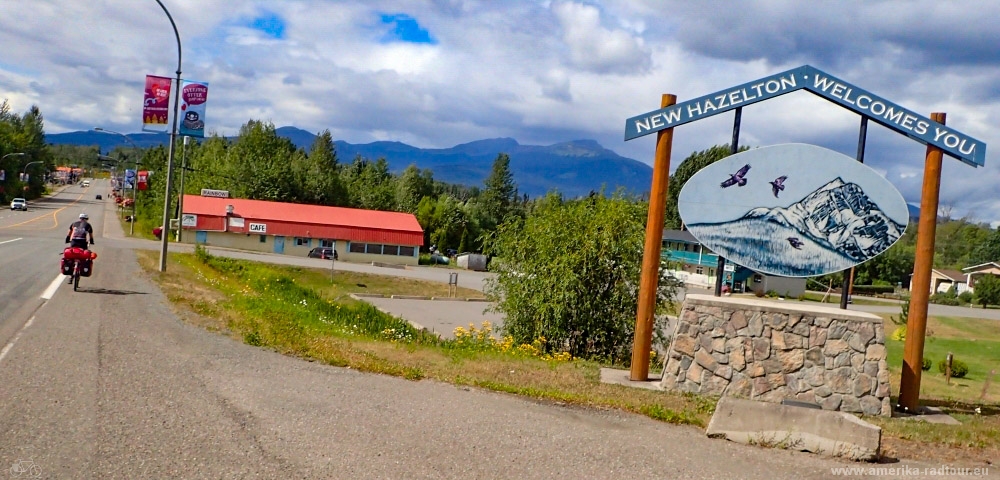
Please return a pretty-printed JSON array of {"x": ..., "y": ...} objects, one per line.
[{"x": 76, "y": 281}]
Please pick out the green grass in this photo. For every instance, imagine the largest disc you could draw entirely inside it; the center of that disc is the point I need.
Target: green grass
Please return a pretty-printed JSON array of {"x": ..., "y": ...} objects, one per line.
[
  {"x": 298, "y": 311},
  {"x": 973, "y": 341}
]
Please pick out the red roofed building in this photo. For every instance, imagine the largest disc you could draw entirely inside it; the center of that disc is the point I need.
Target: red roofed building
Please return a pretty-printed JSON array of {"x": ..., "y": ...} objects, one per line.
[{"x": 295, "y": 229}]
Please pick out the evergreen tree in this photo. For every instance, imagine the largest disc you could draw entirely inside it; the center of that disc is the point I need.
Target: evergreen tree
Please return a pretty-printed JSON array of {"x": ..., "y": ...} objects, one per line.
[
  {"x": 500, "y": 193},
  {"x": 690, "y": 166}
]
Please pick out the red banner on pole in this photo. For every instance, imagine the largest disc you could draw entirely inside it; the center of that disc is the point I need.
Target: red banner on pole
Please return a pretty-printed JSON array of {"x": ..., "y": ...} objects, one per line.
[
  {"x": 142, "y": 178},
  {"x": 156, "y": 104}
]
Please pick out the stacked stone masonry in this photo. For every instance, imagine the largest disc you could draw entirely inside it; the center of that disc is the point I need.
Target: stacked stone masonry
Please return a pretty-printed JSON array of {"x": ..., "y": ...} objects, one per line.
[{"x": 767, "y": 351}]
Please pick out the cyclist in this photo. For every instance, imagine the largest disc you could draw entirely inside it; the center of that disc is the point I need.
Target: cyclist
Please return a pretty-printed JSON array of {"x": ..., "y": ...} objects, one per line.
[{"x": 79, "y": 231}]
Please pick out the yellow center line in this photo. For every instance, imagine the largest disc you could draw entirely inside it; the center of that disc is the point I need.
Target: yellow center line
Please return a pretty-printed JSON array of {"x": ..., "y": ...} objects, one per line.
[{"x": 55, "y": 220}]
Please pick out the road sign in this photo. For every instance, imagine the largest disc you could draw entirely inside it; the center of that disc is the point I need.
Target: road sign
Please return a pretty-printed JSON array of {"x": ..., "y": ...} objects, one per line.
[{"x": 913, "y": 125}]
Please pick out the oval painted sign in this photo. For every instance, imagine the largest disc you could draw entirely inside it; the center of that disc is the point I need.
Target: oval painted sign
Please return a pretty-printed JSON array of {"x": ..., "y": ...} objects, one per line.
[{"x": 793, "y": 210}]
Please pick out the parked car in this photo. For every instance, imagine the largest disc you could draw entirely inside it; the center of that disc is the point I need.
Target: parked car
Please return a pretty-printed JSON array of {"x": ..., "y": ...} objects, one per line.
[
  {"x": 324, "y": 253},
  {"x": 19, "y": 204},
  {"x": 98, "y": 196}
]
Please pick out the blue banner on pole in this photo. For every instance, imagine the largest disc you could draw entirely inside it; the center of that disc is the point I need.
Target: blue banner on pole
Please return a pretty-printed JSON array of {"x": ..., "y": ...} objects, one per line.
[{"x": 194, "y": 95}]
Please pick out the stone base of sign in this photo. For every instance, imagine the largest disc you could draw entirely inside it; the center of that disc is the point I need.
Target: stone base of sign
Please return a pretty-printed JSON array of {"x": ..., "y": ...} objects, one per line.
[
  {"x": 795, "y": 428},
  {"x": 768, "y": 351}
]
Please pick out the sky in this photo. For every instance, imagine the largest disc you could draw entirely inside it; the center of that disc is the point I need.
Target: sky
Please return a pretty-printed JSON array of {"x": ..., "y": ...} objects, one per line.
[{"x": 437, "y": 73}]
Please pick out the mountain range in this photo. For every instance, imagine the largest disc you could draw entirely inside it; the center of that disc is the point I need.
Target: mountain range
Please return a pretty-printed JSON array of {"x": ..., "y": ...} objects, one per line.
[{"x": 573, "y": 168}]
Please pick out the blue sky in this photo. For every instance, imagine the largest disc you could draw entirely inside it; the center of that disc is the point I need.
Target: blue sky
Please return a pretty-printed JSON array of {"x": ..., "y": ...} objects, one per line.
[{"x": 436, "y": 73}]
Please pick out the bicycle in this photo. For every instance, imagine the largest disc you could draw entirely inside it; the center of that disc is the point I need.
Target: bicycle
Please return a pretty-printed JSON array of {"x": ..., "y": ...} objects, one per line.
[
  {"x": 76, "y": 263},
  {"x": 25, "y": 466}
]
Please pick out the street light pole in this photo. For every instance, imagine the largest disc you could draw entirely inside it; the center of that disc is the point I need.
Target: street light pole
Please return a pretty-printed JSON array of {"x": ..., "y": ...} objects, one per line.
[
  {"x": 170, "y": 156},
  {"x": 118, "y": 168},
  {"x": 180, "y": 198},
  {"x": 131, "y": 228},
  {"x": 25, "y": 171}
]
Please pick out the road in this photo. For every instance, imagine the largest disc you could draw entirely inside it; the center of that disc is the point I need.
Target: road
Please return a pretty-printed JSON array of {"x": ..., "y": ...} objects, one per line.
[{"x": 107, "y": 382}]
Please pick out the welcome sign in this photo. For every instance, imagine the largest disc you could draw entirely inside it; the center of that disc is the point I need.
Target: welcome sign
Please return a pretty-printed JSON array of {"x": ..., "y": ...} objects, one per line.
[
  {"x": 793, "y": 210},
  {"x": 861, "y": 101}
]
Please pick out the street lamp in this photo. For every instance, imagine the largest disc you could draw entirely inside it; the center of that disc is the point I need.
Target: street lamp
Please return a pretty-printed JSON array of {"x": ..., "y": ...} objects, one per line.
[
  {"x": 118, "y": 163},
  {"x": 173, "y": 140},
  {"x": 25, "y": 171},
  {"x": 131, "y": 228}
]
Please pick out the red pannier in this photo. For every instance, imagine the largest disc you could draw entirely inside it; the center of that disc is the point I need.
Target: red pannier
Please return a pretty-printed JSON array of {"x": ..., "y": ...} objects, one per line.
[{"x": 86, "y": 258}]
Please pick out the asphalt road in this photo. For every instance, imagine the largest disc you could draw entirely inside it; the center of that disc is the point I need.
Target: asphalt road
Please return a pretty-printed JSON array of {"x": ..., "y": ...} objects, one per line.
[{"x": 107, "y": 382}]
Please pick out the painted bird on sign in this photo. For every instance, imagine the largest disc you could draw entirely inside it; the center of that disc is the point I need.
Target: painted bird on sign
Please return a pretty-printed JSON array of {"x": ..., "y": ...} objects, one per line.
[
  {"x": 795, "y": 242},
  {"x": 737, "y": 178},
  {"x": 778, "y": 185}
]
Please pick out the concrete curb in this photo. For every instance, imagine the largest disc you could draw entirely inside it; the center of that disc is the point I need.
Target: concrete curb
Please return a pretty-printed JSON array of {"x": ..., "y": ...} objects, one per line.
[
  {"x": 362, "y": 296},
  {"x": 409, "y": 297},
  {"x": 774, "y": 425},
  {"x": 388, "y": 265}
]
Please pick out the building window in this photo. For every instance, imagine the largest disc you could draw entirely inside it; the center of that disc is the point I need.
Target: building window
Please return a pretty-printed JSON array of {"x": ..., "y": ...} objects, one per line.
[
  {"x": 326, "y": 243},
  {"x": 303, "y": 242},
  {"x": 757, "y": 278},
  {"x": 699, "y": 270},
  {"x": 263, "y": 239},
  {"x": 380, "y": 249}
]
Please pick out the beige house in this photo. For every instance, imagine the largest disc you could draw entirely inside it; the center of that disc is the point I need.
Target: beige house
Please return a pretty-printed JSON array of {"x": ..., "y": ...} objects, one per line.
[
  {"x": 965, "y": 280},
  {"x": 975, "y": 272},
  {"x": 942, "y": 280}
]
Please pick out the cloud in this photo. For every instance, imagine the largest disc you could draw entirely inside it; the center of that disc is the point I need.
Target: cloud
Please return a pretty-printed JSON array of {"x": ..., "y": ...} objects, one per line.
[
  {"x": 596, "y": 48},
  {"x": 442, "y": 72}
]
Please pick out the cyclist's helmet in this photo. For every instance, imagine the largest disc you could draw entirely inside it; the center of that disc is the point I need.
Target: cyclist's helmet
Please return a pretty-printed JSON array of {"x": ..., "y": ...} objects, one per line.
[{"x": 83, "y": 216}]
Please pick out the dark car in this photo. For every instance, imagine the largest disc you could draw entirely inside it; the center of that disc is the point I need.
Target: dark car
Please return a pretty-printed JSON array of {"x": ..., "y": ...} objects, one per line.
[
  {"x": 324, "y": 253},
  {"x": 98, "y": 196}
]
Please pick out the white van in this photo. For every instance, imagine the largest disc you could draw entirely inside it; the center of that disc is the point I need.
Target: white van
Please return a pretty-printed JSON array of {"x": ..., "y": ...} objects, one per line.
[{"x": 85, "y": 183}]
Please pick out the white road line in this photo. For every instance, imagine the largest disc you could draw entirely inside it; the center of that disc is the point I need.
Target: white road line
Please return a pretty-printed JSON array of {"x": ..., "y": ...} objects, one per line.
[
  {"x": 9, "y": 241},
  {"x": 6, "y": 348},
  {"x": 49, "y": 292}
]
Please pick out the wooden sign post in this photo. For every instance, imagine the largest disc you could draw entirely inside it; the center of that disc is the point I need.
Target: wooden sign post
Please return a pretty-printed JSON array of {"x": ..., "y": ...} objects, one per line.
[
  {"x": 650, "y": 276},
  {"x": 916, "y": 323}
]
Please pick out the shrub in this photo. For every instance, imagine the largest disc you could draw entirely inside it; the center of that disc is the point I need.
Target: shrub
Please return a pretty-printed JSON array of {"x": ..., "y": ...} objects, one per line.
[
  {"x": 926, "y": 364},
  {"x": 570, "y": 274},
  {"x": 958, "y": 368},
  {"x": 904, "y": 312},
  {"x": 872, "y": 289},
  {"x": 899, "y": 334},
  {"x": 965, "y": 297},
  {"x": 943, "y": 298}
]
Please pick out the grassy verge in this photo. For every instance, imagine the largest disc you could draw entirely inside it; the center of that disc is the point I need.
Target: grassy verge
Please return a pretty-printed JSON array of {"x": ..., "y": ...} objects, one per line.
[{"x": 297, "y": 311}]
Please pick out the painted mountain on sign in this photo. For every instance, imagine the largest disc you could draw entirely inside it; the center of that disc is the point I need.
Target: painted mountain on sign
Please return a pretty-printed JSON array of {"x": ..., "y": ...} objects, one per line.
[
  {"x": 832, "y": 229},
  {"x": 840, "y": 216},
  {"x": 842, "y": 213}
]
